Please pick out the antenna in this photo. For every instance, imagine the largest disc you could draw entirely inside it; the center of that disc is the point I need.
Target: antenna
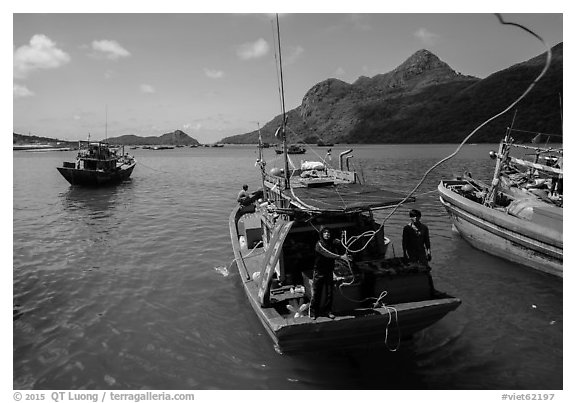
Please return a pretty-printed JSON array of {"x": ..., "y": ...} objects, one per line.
[{"x": 106, "y": 128}]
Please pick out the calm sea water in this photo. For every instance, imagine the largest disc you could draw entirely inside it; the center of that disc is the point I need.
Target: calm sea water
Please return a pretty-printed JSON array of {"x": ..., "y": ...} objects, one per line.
[{"x": 128, "y": 288}]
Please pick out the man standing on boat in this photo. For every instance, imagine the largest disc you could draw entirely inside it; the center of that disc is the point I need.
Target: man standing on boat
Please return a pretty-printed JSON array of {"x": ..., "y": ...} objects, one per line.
[
  {"x": 416, "y": 240},
  {"x": 326, "y": 250}
]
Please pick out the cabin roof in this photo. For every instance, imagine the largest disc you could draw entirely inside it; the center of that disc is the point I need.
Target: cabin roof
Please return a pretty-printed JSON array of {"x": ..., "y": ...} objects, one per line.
[{"x": 347, "y": 197}]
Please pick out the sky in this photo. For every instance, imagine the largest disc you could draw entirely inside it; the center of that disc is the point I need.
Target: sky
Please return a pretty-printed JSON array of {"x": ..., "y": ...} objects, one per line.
[{"x": 214, "y": 75}]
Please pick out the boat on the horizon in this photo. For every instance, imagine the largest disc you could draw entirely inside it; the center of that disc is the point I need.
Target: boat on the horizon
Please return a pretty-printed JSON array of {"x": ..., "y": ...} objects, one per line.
[
  {"x": 291, "y": 149},
  {"x": 518, "y": 216},
  {"x": 98, "y": 164},
  {"x": 378, "y": 300}
]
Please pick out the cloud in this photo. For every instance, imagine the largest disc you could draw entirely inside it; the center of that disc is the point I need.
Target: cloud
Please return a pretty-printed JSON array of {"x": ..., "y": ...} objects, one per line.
[
  {"x": 293, "y": 53},
  {"x": 213, "y": 73},
  {"x": 426, "y": 36},
  {"x": 339, "y": 72},
  {"x": 21, "y": 91},
  {"x": 147, "y": 89},
  {"x": 190, "y": 126},
  {"x": 360, "y": 21},
  {"x": 111, "y": 50},
  {"x": 253, "y": 50},
  {"x": 40, "y": 53}
]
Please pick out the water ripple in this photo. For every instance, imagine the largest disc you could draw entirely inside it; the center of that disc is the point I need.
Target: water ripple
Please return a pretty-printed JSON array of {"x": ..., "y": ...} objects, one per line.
[{"x": 115, "y": 288}]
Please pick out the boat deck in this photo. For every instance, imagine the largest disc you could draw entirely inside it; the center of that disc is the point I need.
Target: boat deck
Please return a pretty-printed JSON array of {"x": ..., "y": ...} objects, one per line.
[{"x": 346, "y": 197}]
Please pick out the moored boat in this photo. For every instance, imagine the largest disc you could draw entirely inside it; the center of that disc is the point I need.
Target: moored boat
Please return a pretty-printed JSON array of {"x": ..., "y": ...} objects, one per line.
[
  {"x": 292, "y": 149},
  {"x": 98, "y": 164},
  {"x": 377, "y": 300},
  {"x": 518, "y": 216}
]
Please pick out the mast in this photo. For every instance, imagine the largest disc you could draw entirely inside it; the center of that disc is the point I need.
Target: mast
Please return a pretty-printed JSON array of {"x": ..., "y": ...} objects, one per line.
[
  {"x": 261, "y": 158},
  {"x": 106, "y": 127},
  {"x": 284, "y": 146}
]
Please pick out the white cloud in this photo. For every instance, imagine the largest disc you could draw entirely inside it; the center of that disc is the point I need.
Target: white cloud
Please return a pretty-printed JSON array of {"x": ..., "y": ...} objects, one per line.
[
  {"x": 339, "y": 72},
  {"x": 293, "y": 53},
  {"x": 109, "y": 49},
  {"x": 147, "y": 89},
  {"x": 253, "y": 50},
  {"x": 21, "y": 91},
  {"x": 191, "y": 126},
  {"x": 426, "y": 36},
  {"x": 40, "y": 53},
  {"x": 360, "y": 21},
  {"x": 213, "y": 73}
]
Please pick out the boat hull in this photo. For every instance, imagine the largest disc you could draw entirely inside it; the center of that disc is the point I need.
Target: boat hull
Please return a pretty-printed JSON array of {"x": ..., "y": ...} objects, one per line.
[
  {"x": 503, "y": 235},
  {"x": 85, "y": 177},
  {"x": 386, "y": 326}
]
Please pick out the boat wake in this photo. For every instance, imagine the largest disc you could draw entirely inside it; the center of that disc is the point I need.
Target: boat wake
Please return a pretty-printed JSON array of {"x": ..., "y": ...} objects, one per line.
[{"x": 222, "y": 270}]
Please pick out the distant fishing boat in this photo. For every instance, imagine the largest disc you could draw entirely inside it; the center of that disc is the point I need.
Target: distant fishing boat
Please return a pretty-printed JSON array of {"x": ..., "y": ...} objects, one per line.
[
  {"x": 518, "y": 216},
  {"x": 291, "y": 149},
  {"x": 378, "y": 300},
  {"x": 98, "y": 164},
  {"x": 324, "y": 144}
]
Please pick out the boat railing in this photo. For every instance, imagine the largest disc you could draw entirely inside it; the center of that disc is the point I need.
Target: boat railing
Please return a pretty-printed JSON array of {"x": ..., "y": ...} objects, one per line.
[
  {"x": 541, "y": 150},
  {"x": 276, "y": 180},
  {"x": 345, "y": 176}
]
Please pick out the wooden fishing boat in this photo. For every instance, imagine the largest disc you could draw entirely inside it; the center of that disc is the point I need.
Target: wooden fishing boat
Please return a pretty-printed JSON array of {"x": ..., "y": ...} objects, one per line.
[
  {"x": 518, "y": 216},
  {"x": 378, "y": 300},
  {"x": 98, "y": 164}
]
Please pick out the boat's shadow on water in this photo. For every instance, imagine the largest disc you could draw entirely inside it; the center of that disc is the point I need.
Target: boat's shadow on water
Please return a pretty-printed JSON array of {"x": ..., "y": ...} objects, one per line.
[
  {"x": 365, "y": 368},
  {"x": 94, "y": 199},
  {"x": 383, "y": 367}
]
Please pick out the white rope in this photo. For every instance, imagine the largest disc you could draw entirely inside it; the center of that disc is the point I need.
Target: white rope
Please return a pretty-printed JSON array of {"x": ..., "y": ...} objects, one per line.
[{"x": 507, "y": 109}]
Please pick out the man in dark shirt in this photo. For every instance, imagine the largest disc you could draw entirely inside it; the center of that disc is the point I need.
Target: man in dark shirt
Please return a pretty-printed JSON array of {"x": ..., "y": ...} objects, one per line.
[
  {"x": 326, "y": 251},
  {"x": 416, "y": 240}
]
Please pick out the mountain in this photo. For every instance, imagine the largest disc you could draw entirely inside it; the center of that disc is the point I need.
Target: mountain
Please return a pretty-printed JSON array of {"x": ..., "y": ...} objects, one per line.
[
  {"x": 423, "y": 100},
  {"x": 177, "y": 137},
  {"x": 19, "y": 139}
]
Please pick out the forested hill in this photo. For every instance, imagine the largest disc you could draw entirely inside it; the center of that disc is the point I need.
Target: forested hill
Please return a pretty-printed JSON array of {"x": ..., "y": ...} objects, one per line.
[
  {"x": 424, "y": 101},
  {"x": 177, "y": 137}
]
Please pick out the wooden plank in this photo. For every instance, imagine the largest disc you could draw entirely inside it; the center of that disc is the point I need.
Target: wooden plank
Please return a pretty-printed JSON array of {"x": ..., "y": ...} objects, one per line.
[{"x": 271, "y": 258}]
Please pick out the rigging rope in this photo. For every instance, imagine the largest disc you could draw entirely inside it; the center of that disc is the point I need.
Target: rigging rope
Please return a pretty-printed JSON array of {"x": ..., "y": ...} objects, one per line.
[
  {"x": 154, "y": 169},
  {"x": 507, "y": 109}
]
